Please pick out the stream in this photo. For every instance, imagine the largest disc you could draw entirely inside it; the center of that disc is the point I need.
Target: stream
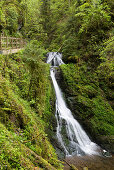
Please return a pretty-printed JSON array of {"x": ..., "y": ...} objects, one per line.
[{"x": 71, "y": 136}]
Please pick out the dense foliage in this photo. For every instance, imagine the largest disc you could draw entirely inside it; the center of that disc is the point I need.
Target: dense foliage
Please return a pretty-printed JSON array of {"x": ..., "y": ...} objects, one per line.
[
  {"x": 91, "y": 98},
  {"x": 25, "y": 112},
  {"x": 79, "y": 28},
  {"x": 83, "y": 31}
]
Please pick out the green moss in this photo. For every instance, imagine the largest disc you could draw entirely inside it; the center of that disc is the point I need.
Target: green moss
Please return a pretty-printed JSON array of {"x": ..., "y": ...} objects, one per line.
[
  {"x": 90, "y": 100},
  {"x": 24, "y": 116}
]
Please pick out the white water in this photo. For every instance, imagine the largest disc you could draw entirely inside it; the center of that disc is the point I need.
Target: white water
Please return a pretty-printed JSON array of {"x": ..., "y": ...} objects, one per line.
[
  {"x": 71, "y": 136},
  {"x": 54, "y": 58}
]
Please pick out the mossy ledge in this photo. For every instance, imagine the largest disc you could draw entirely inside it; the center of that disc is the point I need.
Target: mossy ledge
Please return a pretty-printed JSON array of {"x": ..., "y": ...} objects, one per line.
[
  {"x": 89, "y": 101},
  {"x": 25, "y": 111}
]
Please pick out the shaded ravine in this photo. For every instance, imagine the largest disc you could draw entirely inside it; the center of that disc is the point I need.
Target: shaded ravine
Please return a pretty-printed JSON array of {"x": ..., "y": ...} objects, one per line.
[{"x": 72, "y": 138}]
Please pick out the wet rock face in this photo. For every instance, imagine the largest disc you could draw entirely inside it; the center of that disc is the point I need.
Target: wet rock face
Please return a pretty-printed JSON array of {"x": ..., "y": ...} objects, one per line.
[
  {"x": 105, "y": 142},
  {"x": 58, "y": 75}
]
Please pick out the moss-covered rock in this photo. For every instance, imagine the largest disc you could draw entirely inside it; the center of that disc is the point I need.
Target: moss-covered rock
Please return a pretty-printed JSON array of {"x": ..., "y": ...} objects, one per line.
[{"x": 87, "y": 100}]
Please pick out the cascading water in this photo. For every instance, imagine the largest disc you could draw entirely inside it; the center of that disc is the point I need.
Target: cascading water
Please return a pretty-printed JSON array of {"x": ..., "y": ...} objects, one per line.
[{"x": 71, "y": 136}]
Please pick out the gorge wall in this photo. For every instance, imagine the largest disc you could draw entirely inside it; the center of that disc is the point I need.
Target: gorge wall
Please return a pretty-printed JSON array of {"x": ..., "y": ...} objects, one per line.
[{"x": 88, "y": 101}]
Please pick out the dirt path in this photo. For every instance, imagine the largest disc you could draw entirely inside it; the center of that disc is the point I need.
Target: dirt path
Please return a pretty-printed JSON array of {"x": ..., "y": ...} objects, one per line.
[{"x": 92, "y": 162}]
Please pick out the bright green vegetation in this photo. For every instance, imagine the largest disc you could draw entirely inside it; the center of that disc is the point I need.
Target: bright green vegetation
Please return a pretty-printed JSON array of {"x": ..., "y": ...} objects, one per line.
[
  {"x": 83, "y": 31},
  {"x": 92, "y": 97},
  {"x": 80, "y": 29},
  {"x": 25, "y": 111}
]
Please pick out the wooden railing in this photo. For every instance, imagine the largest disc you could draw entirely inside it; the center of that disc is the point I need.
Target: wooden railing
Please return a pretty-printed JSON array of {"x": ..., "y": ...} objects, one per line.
[{"x": 7, "y": 43}]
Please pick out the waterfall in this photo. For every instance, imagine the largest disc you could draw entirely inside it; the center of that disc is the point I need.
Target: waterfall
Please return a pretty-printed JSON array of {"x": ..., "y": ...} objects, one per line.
[{"x": 71, "y": 136}]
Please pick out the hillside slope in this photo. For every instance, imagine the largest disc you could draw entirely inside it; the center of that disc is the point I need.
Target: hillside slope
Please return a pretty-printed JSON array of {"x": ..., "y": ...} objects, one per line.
[{"x": 25, "y": 112}]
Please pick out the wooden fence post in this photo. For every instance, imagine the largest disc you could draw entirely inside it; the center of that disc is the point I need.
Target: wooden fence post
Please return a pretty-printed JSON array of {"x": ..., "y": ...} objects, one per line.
[
  {"x": 21, "y": 43},
  {"x": 7, "y": 42},
  {"x": 11, "y": 42},
  {"x": 16, "y": 42},
  {"x": 0, "y": 42}
]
